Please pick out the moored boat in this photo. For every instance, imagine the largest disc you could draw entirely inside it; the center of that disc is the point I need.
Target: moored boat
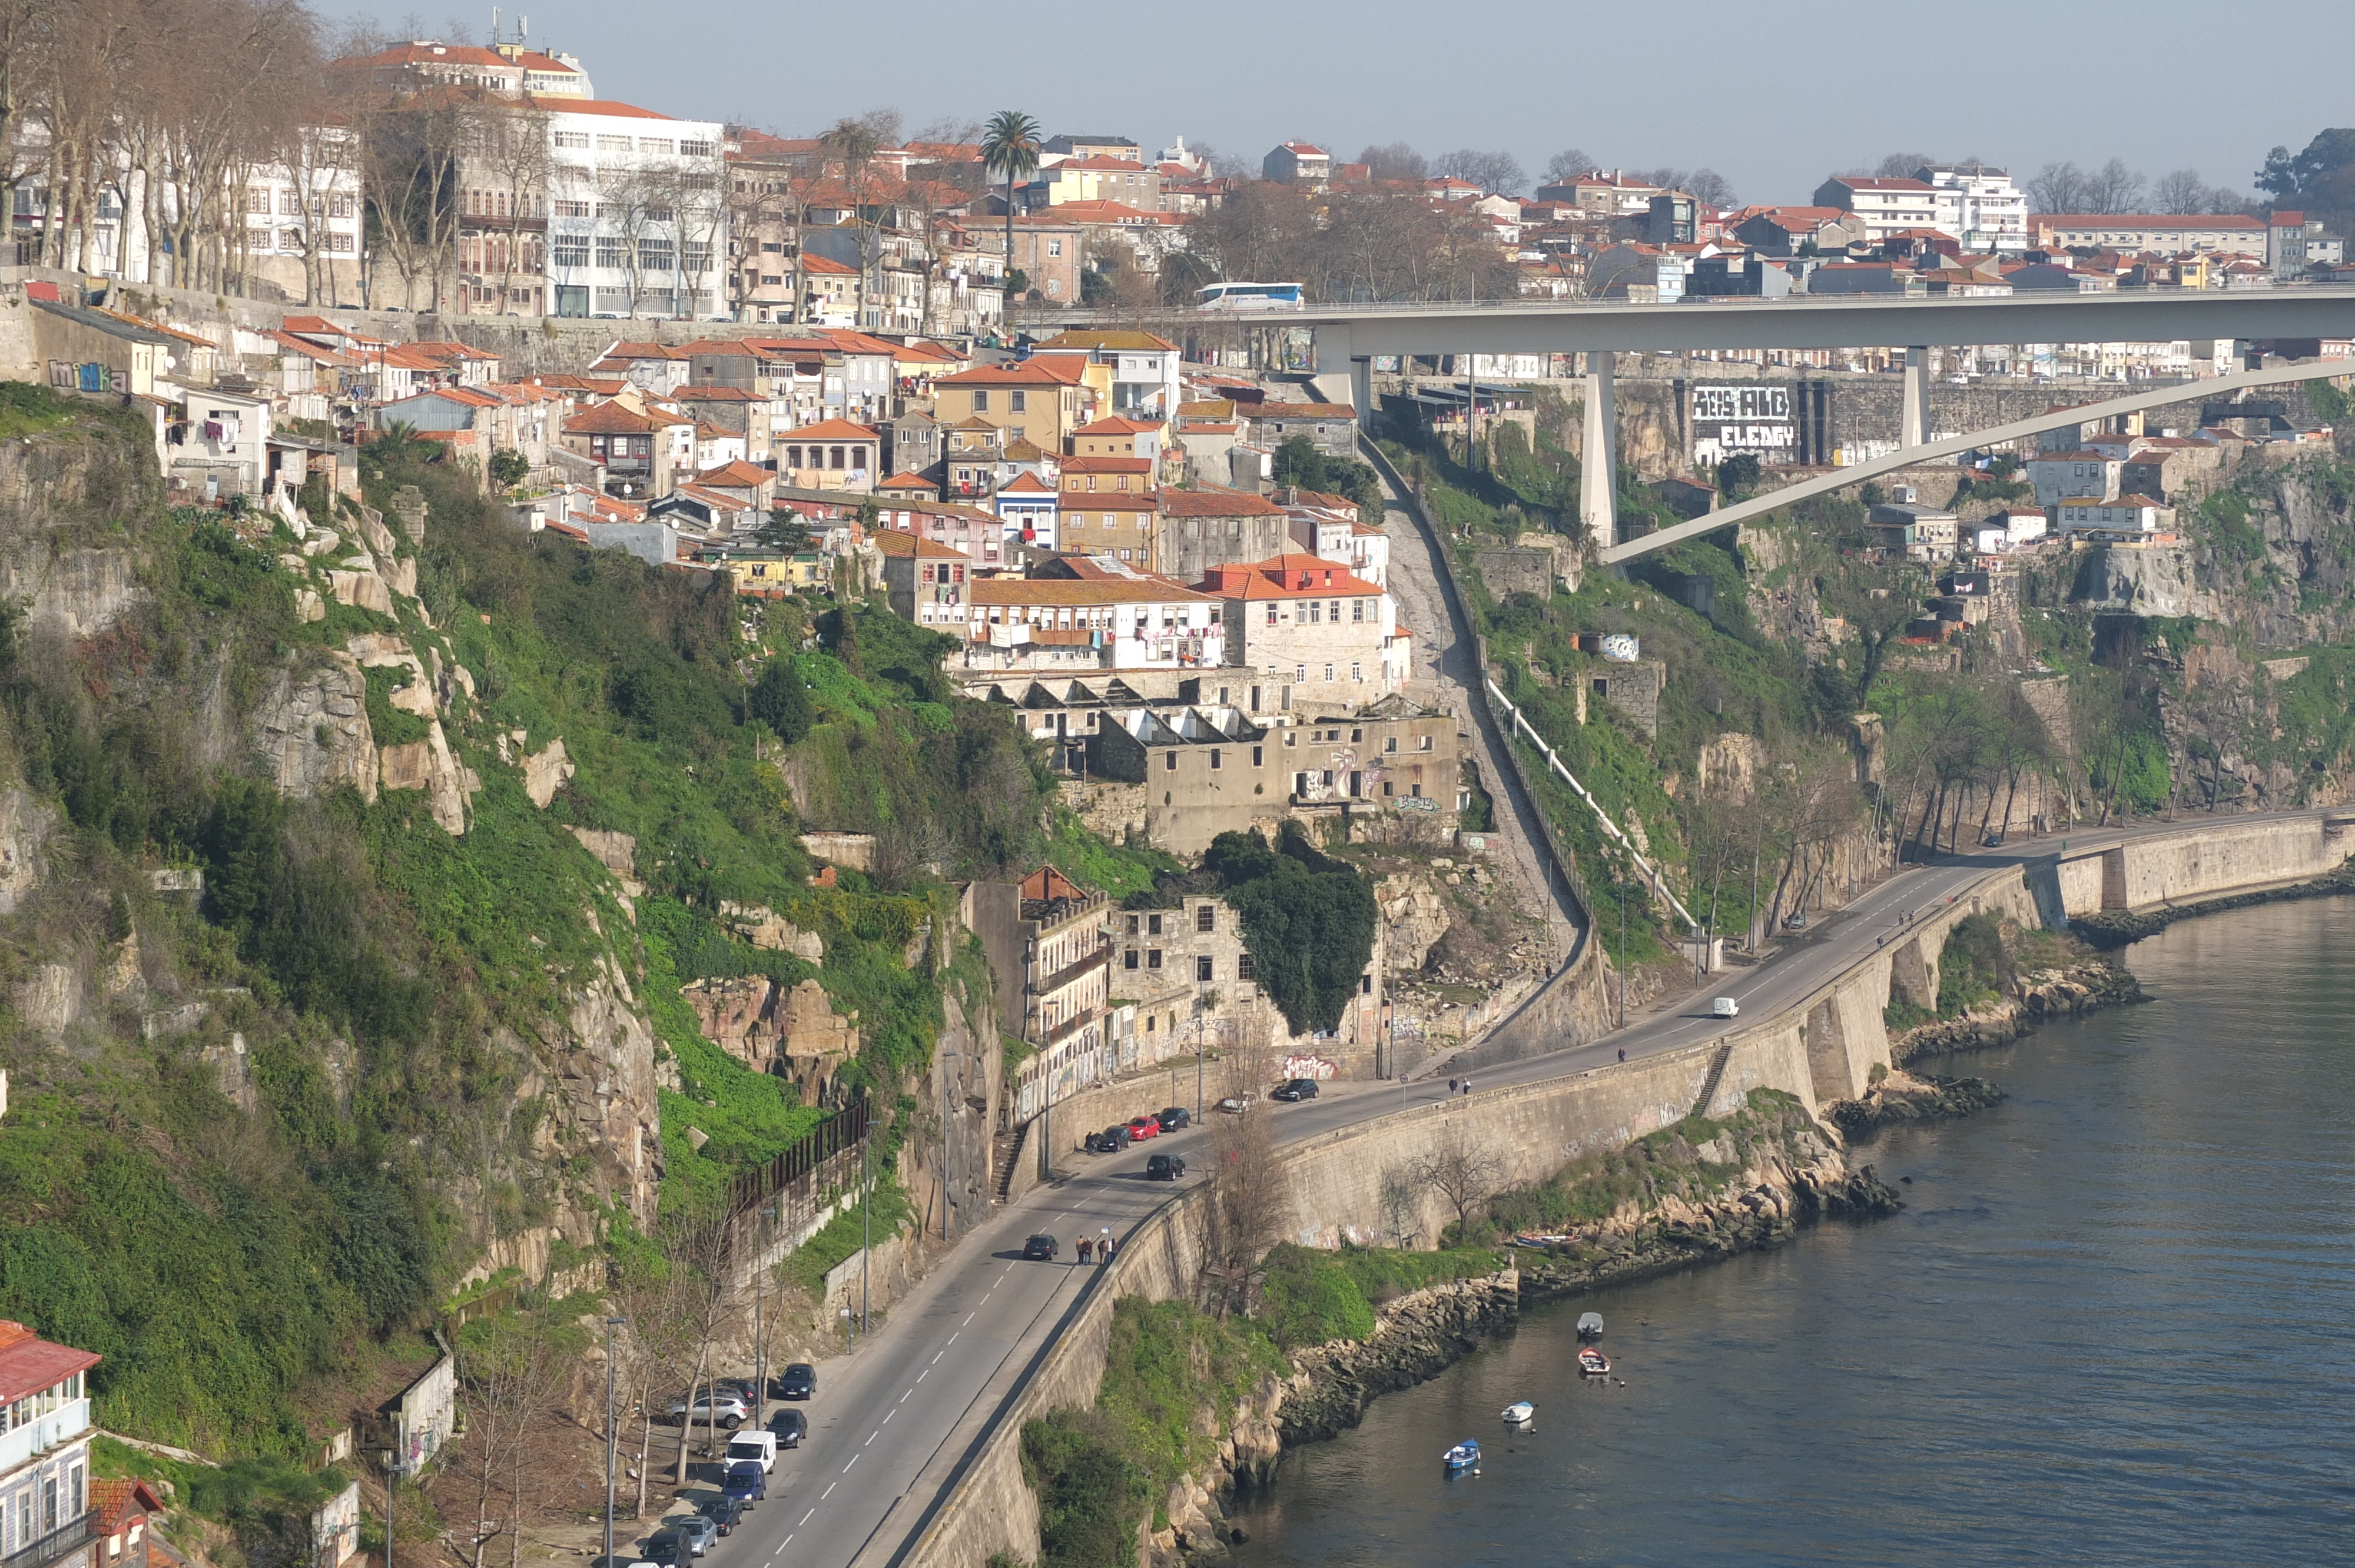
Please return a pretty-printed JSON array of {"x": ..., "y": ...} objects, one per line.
[
  {"x": 1593, "y": 1361},
  {"x": 1589, "y": 1324},
  {"x": 1520, "y": 1412},
  {"x": 1465, "y": 1456}
]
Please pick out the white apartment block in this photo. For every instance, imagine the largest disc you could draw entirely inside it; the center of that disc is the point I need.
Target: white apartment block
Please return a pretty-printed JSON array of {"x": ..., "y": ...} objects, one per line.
[
  {"x": 1982, "y": 208},
  {"x": 637, "y": 220}
]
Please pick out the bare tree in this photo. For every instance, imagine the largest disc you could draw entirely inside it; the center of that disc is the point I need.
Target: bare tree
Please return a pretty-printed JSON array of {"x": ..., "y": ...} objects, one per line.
[
  {"x": 2114, "y": 187},
  {"x": 1395, "y": 161},
  {"x": 1461, "y": 1172},
  {"x": 1493, "y": 172},
  {"x": 657, "y": 1300},
  {"x": 1569, "y": 164},
  {"x": 2060, "y": 188},
  {"x": 1401, "y": 1195},
  {"x": 509, "y": 1372},
  {"x": 1250, "y": 1202},
  {"x": 2181, "y": 192},
  {"x": 510, "y": 159},
  {"x": 702, "y": 1258},
  {"x": 1902, "y": 166}
]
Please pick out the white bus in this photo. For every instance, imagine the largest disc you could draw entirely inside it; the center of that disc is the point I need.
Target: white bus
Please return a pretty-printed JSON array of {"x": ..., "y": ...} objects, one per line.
[{"x": 1250, "y": 297}]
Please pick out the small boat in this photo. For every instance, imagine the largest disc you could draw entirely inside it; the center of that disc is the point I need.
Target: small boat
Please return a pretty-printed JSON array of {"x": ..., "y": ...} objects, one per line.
[
  {"x": 1589, "y": 1324},
  {"x": 1518, "y": 1413},
  {"x": 1593, "y": 1361},
  {"x": 1465, "y": 1456}
]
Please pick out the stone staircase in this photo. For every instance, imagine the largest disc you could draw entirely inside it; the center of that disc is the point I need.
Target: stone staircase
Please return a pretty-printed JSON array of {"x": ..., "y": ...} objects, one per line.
[
  {"x": 1004, "y": 1150},
  {"x": 1717, "y": 1062}
]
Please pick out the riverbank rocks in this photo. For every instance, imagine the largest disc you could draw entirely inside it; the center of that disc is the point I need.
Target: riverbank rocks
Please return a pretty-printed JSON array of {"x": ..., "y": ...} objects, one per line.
[
  {"x": 1415, "y": 1338},
  {"x": 1901, "y": 1096},
  {"x": 2069, "y": 992}
]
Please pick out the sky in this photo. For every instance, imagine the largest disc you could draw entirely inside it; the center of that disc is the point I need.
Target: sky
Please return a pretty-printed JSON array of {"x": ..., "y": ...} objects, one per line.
[{"x": 1774, "y": 97}]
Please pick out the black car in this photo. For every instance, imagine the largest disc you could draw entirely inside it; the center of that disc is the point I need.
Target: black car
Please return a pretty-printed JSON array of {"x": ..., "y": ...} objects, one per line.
[
  {"x": 1111, "y": 1140},
  {"x": 1165, "y": 1168},
  {"x": 744, "y": 1388},
  {"x": 789, "y": 1428},
  {"x": 724, "y": 1513},
  {"x": 669, "y": 1548},
  {"x": 1175, "y": 1117},
  {"x": 1040, "y": 1249},
  {"x": 798, "y": 1381},
  {"x": 1295, "y": 1089}
]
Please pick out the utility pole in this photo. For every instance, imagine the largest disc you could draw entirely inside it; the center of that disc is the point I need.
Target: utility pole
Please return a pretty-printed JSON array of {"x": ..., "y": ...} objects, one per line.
[
  {"x": 760, "y": 1337},
  {"x": 612, "y": 1434},
  {"x": 866, "y": 1225},
  {"x": 1623, "y": 952},
  {"x": 392, "y": 1469}
]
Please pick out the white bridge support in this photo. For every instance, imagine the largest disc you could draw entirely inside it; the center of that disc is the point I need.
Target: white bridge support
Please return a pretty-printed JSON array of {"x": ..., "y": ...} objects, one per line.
[
  {"x": 1598, "y": 455},
  {"x": 1914, "y": 422}
]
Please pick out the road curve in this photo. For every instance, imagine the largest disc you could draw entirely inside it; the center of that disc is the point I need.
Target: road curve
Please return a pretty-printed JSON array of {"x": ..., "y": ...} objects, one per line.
[{"x": 916, "y": 1389}]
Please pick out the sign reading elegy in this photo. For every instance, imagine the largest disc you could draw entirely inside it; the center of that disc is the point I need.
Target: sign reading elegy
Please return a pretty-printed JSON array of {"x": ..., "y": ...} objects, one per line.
[{"x": 1752, "y": 418}]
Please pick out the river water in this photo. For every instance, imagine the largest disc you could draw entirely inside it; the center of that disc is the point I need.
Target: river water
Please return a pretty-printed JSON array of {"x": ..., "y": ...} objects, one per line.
[{"x": 2115, "y": 1324}]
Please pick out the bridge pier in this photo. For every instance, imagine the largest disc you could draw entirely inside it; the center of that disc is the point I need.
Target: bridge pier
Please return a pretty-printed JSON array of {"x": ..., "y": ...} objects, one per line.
[
  {"x": 1598, "y": 455},
  {"x": 1915, "y": 422}
]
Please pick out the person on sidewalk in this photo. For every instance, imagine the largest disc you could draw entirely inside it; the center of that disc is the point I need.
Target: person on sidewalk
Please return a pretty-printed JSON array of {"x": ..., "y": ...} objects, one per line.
[{"x": 1084, "y": 1245}]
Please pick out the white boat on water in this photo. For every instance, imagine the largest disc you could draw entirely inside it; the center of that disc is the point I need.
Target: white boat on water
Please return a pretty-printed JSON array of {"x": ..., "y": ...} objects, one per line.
[
  {"x": 1520, "y": 1412},
  {"x": 1465, "y": 1456},
  {"x": 1589, "y": 1324}
]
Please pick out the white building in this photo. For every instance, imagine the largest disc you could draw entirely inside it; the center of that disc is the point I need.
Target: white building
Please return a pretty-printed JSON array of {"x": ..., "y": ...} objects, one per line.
[
  {"x": 2115, "y": 514},
  {"x": 637, "y": 223},
  {"x": 1979, "y": 206},
  {"x": 1887, "y": 206},
  {"x": 2069, "y": 476}
]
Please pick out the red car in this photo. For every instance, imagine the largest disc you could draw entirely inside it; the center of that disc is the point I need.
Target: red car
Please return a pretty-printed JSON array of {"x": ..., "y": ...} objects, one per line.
[{"x": 1143, "y": 1127}]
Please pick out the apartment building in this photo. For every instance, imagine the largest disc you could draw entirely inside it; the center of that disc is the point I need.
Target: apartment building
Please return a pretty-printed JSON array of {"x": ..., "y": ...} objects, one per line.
[
  {"x": 1097, "y": 615},
  {"x": 1316, "y": 634},
  {"x": 45, "y": 1479},
  {"x": 637, "y": 212}
]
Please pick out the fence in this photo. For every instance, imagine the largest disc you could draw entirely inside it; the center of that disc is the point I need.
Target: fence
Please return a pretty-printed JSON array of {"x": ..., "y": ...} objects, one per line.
[{"x": 798, "y": 1179}]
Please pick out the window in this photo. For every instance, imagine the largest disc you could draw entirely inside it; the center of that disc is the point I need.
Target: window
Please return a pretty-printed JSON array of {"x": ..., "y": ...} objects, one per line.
[
  {"x": 981, "y": 399},
  {"x": 1391, "y": 744},
  {"x": 1131, "y": 958},
  {"x": 1244, "y": 968},
  {"x": 1205, "y": 918},
  {"x": 1258, "y": 754},
  {"x": 571, "y": 210},
  {"x": 1356, "y": 609},
  {"x": 1365, "y": 985},
  {"x": 1153, "y": 925},
  {"x": 1328, "y": 671},
  {"x": 656, "y": 144},
  {"x": 577, "y": 139},
  {"x": 1356, "y": 672},
  {"x": 1271, "y": 615},
  {"x": 1170, "y": 764},
  {"x": 1423, "y": 745},
  {"x": 694, "y": 148},
  {"x": 1153, "y": 957},
  {"x": 1019, "y": 401},
  {"x": 1054, "y": 248},
  {"x": 1202, "y": 970},
  {"x": 613, "y": 143},
  {"x": 568, "y": 249}
]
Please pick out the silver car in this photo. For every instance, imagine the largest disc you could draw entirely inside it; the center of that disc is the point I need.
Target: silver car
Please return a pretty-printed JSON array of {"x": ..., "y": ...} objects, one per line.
[{"x": 724, "y": 1410}]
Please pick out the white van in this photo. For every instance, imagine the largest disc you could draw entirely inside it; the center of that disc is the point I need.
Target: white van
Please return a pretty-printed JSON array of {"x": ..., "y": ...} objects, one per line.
[
  {"x": 1725, "y": 1007},
  {"x": 761, "y": 1445}
]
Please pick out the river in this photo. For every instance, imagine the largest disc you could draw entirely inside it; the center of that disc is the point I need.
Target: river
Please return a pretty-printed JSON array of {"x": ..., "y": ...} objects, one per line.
[{"x": 2115, "y": 1324}]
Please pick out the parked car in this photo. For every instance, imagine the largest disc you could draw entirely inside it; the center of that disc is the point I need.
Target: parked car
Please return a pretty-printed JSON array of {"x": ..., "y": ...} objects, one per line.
[
  {"x": 798, "y": 1381},
  {"x": 1040, "y": 1248},
  {"x": 723, "y": 1513},
  {"x": 789, "y": 1428},
  {"x": 1111, "y": 1140},
  {"x": 1295, "y": 1089},
  {"x": 1165, "y": 1168},
  {"x": 1235, "y": 1105},
  {"x": 713, "y": 1409},
  {"x": 745, "y": 1482},
  {"x": 1145, "y": 1127},
  {"x": 1175, "y": 1117},
  {"x": 760, "y": 1448},
  {"x": 698, "y": 1532},
  {"x": 744, "y": 1388},
  {"x": 669, "y": 1548}
]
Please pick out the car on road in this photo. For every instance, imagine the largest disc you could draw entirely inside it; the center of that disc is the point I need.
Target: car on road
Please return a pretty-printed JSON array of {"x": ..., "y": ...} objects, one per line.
[
  {"x": 1724, "y": 1007},
  {"x": 789, "y": 1428},
  {"x": 1294, "y": 1090},
  {"x": 669, "y": 1548},
  {"x": 721, "y": 1409},
  {"x": 1111, "y": 1140},
  {"x": 1175, "y": 1117},
  {"x": 1040, "y": 1249},
  {"x": 760, "y": 1448},
  {"x": 1145, "y": 1127},
  {"x": 723, "y": 1513},
  {"x": 1165, "y": 1168},
  {"x": 798, "y": 1381},
  {"x": 698, "y": 1531},
  {"x": 745, "y": 1482}
]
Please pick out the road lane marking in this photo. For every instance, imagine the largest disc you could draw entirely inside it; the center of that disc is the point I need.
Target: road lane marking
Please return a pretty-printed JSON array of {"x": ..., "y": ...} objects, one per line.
[
  {"x": 806, "y": 1518},
  {"x": 872, "y": 1435},
  {"x": 934, "y": 1361},
  {"x": 968, "y": 1321},
  {"x": 904, "y": 1398},
  {"x": 830, "y": 1489},
  {"x": 887, "y": 1416},
  {"x": 923, "y": 1375},
  {"x": 854, "y": 1459},
  {"x": 944, "y": 1351}
]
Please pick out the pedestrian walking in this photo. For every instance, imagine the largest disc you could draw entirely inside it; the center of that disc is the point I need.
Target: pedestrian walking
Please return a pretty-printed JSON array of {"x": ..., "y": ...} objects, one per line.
[
  {"x": 1103, "y": 1245},
  {"x": 1084, "y": 1246},
  {"x": 1467, "y": 1085},
  {"x": 1451, "y": 1085},
  {"x": 1623, "y": 1053}
]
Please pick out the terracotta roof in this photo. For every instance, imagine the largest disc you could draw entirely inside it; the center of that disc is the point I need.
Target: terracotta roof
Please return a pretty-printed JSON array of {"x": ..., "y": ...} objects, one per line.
[
  {"x": 1305, "y": 411},
  {"x": 1026, "y": 483},
  {"x": 1113, "y": 425},
  {"x": 1057, "y": 370},
  {"x": 1289, "y": 576},
  {"x": 615, "y": 419},
  {"x": 29, "y": 1364},
  {"x": 899, "y": 542},
  {"x": 2240, "y": 221},
  {"x": 114, "y": 1504},
  {"x": 828, "y": 430},
  {"x": 560, "y": 103},
  {"x": 826, "y": 267},
  {"x": 1134, "y": 342},
  {"x": 736, "y": 475},
  {"x": 1209, "y": 502},
  {"x": 646, "y": 351},
  {"x": 311, "y": 351},
  {"x": 904, "y": 481}
]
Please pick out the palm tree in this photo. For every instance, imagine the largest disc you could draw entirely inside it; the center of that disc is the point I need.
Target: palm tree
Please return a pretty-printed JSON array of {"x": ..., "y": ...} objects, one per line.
[{"x": 1009, "y": 146}]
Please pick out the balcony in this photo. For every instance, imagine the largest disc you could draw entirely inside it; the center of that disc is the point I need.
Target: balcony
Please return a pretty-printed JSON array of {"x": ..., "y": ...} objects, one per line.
[
  {"x": 67, "y": 1422},
  {"x": 67, "y": 1538}
]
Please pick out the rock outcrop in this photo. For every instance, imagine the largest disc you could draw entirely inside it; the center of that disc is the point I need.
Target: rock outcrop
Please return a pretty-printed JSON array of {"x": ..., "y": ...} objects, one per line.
[
  {"x": 312, "y": 727},
  {"x": 1900, "y": 1097},
  {"x": 764, "y": 928},
  {"x": 546, "y": 771},
  {"x": 1415, "y": 918}
]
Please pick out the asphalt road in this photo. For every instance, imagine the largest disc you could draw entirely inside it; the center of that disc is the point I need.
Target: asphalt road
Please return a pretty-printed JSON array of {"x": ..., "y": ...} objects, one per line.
[{"x": 883, "y": 1413}]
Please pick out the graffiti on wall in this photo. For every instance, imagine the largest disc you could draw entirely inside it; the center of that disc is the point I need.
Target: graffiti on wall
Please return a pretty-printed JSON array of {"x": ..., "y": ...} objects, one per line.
[{"x": 65, "y": 375}]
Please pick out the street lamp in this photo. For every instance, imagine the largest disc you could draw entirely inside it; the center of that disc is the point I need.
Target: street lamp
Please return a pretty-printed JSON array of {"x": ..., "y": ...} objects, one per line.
[
  {"x": 392, "y": 1472},
  {"x": 610, "y": 1434}
]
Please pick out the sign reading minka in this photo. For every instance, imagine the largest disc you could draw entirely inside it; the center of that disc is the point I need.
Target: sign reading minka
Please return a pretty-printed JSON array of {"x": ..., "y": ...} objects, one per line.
[{"x": 1752, "y": 418}]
